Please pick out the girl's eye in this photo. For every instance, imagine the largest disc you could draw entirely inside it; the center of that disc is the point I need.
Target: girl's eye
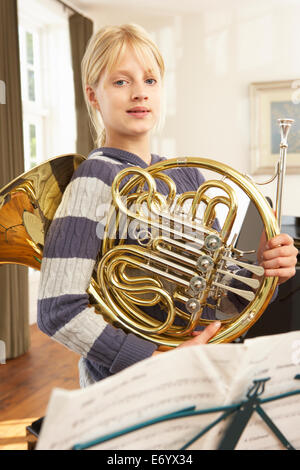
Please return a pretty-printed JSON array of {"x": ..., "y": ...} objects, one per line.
[
  {"x": 151, "y": 81},
  {"x": 120, "y": 82}
]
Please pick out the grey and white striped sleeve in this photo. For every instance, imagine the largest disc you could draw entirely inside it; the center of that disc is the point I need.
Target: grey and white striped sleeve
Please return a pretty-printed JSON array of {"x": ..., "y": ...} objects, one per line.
[{"x": 71, "y": 248}]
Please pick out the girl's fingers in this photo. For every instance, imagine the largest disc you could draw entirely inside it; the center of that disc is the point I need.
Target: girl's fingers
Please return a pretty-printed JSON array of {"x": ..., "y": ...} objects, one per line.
[
  {"x": 282, "y": 273},
  {"x": 204, "y": 336},
  {"x": 280, "y": 262},
  {"x": 282, "y": 239},
  {"x": 280, "y": 252}
]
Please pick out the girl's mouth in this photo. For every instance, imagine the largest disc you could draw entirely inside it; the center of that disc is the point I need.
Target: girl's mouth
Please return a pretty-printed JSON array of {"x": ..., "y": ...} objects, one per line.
[{"x": 138, "y": 111}]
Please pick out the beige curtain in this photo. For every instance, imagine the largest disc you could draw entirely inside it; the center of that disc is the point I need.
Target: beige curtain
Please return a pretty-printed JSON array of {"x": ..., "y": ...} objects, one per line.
[
  {"x": 14, "y": 308},
  {"x": 81, "y": 29}
]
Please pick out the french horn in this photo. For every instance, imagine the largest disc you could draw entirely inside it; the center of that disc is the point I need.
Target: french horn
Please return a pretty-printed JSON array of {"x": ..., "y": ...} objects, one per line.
[{"x": 178, "y": 258}]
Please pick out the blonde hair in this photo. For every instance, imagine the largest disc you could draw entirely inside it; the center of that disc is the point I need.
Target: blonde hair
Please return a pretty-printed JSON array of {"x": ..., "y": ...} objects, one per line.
[{"x": 103, "y": 52}]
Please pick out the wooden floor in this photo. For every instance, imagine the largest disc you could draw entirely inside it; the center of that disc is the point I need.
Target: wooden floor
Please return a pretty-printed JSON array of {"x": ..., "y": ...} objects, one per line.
[{"x": 26, "y": 384}]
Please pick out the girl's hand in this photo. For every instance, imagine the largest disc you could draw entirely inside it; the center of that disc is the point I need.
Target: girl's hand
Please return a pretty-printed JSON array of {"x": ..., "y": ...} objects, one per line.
[
  {"x": 198, "y": 337},
  {"x": 278, "y": 257},
  {"x": 202, "y": 337}
]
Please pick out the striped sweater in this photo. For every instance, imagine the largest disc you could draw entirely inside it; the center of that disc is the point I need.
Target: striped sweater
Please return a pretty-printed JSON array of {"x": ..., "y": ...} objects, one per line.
[{"x": 70, "y": 253}]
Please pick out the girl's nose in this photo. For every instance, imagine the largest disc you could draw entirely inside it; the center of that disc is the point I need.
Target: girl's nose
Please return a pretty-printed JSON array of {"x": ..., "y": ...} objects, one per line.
[
  {"x": 139, "y": 93},
  {"x": 140, "y": 96}
]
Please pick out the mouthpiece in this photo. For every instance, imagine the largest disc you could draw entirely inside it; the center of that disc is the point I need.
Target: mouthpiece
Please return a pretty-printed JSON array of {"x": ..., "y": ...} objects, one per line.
[{"x": 285, "y": 125}]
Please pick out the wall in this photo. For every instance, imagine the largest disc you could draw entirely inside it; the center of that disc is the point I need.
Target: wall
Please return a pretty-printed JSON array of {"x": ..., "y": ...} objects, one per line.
[{"x": 212, "y": 56}]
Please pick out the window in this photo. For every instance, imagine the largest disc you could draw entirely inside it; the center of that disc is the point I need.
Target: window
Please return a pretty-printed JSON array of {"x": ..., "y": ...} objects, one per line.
[
  {"x": 49, "y": 121},
  {"x": 2, "y": 92},
  {"x": 32, "y": 97}
]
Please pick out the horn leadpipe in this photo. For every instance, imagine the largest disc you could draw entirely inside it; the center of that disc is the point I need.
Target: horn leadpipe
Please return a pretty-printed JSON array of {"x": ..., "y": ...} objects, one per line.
[{"x": 285, "y": 125}]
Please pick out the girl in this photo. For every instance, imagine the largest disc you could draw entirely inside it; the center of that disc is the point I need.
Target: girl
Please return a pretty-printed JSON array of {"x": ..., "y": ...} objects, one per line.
[{"x": 122, "y": 73}]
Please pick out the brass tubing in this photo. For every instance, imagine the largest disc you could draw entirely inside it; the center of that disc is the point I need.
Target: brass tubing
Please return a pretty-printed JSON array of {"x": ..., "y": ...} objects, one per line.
[{"x": 116, "y": 294}]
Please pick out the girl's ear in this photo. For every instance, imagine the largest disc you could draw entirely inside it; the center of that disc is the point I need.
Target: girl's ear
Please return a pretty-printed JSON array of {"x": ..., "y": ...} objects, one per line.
[{"x": 90, "y": 93}]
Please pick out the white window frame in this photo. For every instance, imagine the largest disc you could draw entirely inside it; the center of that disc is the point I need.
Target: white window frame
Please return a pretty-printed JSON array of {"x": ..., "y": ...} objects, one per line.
[
  {"x": 34, "y": 112},
  {"x": 53, "y": 112}
]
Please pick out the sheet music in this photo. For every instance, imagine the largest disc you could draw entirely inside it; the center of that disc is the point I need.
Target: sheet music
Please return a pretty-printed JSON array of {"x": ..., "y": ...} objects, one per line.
[
  {"x": 277, "y": 357},
  {"x": 281, "y": 363},
  {"x": 203, "y": 376}
]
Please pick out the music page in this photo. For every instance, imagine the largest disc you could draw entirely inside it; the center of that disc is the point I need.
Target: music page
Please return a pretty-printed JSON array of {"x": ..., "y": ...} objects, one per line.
[
  {"x": 204, "y": 377},
  {"x": 279, "y": 360}
]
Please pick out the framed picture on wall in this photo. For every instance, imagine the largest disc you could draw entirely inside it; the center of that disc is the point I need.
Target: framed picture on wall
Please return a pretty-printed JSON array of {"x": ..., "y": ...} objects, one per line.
[{"x": 271, "y": 101}]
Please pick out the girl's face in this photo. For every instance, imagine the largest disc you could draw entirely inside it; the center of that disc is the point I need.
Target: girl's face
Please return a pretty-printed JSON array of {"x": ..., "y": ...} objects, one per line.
[{"x": 128, "y": 98}]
